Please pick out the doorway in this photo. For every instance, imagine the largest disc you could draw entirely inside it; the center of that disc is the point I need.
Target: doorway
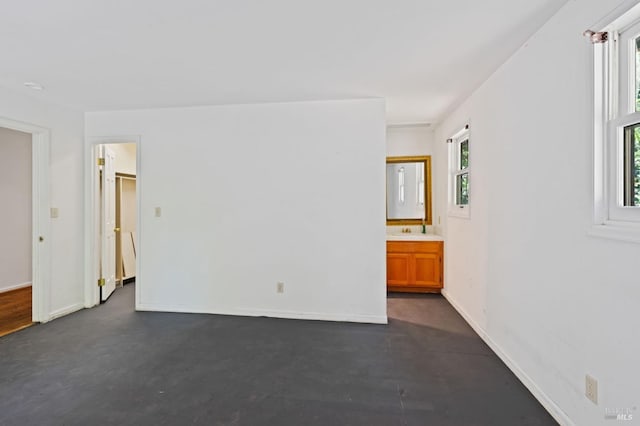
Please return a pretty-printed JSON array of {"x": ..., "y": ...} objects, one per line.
[
  {"x": 15, "y": 244},
  {"x": 24, "y": 248},
  {"x": 114, "y": 194}
]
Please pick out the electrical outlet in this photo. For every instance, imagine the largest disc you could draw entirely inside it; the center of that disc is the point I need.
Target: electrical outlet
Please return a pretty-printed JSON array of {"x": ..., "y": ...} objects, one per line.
[
  {"x": 280, "y": 287},
  {"x": 158, "y": 211},
  {"x": 591, "y": 389}
]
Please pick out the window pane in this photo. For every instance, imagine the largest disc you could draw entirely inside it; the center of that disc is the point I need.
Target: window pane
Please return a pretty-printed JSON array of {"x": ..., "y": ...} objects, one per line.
[
  {"x": 637, "y": 59},
  {"x": 464, "y": 154},
  {"x": 462, "y": 189},
  {"x": 631, "y": 158}
]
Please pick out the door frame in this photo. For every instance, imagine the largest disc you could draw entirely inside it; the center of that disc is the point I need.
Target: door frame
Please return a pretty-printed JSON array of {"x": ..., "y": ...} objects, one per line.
[
  {"x": 92, "y": 216},
  {"x": 40, "y": 216}
]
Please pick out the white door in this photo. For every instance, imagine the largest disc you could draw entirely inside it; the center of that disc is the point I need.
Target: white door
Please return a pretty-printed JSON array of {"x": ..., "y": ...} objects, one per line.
[{"x": 108, "y": 223}]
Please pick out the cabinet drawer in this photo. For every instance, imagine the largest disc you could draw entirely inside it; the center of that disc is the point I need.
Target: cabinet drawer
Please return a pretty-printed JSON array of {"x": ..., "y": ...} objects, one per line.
[{"x": 414, "y": 246}]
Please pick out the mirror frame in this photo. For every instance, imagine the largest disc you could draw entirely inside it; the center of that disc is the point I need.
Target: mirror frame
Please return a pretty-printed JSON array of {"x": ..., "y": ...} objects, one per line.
[{"x": 428, "y": 220}]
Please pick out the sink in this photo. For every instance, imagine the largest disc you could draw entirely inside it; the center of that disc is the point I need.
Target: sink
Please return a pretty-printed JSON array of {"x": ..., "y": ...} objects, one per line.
[{"x": 415, "y": 236}]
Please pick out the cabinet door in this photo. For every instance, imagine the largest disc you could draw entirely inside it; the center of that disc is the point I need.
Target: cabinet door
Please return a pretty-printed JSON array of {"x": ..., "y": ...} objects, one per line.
[
  {"x": 398, "y": 268},
  {"x": 427, "y": 270}
]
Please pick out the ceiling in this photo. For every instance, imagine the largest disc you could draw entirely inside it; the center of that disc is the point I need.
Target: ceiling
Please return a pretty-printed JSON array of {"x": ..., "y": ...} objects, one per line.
[{"x": 423, "y": 56}]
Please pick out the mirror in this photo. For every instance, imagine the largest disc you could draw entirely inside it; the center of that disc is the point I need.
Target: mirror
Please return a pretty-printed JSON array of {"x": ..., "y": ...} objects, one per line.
[{"x": 409, "y": 190}]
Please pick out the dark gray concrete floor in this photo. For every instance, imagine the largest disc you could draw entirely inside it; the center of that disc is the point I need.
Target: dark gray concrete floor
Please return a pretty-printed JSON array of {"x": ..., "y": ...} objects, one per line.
[{"x": 111, "y": 365}]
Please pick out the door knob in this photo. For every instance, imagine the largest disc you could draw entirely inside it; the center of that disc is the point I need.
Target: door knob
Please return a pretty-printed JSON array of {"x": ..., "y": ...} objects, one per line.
[{"x": 116, "y": 229}]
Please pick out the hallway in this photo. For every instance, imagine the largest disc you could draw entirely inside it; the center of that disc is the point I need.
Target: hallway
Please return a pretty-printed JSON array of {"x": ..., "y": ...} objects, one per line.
[{"x": 111, "y": 365}]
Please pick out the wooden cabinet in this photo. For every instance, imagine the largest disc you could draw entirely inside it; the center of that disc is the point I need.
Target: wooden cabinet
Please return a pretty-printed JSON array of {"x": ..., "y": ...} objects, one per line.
[{"x": 414, "y": 266}]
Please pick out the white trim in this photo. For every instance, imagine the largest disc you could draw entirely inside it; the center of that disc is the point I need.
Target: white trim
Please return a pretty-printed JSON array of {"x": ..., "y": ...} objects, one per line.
[
  {"x": 601, "y": 94},
  {"x": 368, "y": 319},
  {"x": 91, "y": 214},
  {"x": 556, "y": 412},
  {"x": 408, "y": 125},
  {"x": 66, "y": 310},
  {"x": 461, "y": 132},
  {"x": 41, "y": 221},
  {"x": 41, "y": 267},
  {"x": 460, "y": 212},
  {"x": 15, "y": 287},
  {"x": 90, "y": 264},
  {"x": 616, "y": 231}
]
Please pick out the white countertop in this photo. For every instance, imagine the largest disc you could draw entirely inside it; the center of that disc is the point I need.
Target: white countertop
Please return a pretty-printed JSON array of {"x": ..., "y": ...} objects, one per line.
[{"x": 414, "y": 236}]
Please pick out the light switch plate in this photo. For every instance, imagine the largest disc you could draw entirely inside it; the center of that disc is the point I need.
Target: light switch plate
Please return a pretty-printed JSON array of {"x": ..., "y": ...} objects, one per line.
[
  {"x": 54, "y": 212},
  {"x": 158, "y": 212}
]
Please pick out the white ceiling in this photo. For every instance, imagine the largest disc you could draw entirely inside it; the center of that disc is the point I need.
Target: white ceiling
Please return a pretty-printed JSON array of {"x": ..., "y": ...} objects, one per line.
[{"x": 423, "y": 56}]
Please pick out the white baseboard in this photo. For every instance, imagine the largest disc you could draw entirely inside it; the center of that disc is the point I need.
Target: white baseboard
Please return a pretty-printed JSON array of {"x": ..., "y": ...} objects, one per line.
[
  {"x": 65, "y": 311},
  {"x": 556, "y": 412},
  {"x": 368, "y": 319},
  {"x": 15, "y": 287}
]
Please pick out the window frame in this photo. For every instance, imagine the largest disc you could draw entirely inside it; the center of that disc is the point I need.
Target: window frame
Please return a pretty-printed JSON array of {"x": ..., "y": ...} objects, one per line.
[
  {"x": 614, "y": 82},
  {"x": 455, "y": 145}
]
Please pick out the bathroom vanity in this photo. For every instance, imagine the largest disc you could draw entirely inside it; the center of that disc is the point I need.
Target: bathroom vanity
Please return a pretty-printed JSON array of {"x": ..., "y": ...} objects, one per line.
[
  {"x": 414, "y": 263},
  {"x": 414, "y": 259}
]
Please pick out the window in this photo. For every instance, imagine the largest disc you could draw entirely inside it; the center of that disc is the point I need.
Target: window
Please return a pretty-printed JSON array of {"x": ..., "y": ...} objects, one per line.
[
  {"x": 420, "y": 185},
  {"x": 459, "y": 173},
  {"x": 617, "y": 129},
  {"x": 401, "y": 186}
]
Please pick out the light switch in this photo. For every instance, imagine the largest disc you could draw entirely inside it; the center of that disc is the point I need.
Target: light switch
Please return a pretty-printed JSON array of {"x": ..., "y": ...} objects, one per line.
[
  {"x": 54, "y": 212},
  {"x": 158, "y": 212}
]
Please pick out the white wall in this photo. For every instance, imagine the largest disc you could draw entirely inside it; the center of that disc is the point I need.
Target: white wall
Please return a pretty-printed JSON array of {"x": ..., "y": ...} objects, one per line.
[
  {"x": 66, "y": 175},
  {"x": 409, "y": 140},
  {"x": 556, "y": 302},
  {"x": 15, "y": 216},
  {"x": 256, "y": 194}
]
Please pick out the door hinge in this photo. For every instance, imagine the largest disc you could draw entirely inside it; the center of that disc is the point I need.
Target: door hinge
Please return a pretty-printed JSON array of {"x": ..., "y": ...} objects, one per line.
[
  {"x": 101, "y": 282},
  {"x": 100, "y": 161}
]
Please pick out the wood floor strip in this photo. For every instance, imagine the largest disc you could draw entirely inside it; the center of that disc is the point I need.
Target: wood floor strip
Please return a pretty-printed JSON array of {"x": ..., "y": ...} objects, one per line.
[{"x": 15, "y": 310}]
